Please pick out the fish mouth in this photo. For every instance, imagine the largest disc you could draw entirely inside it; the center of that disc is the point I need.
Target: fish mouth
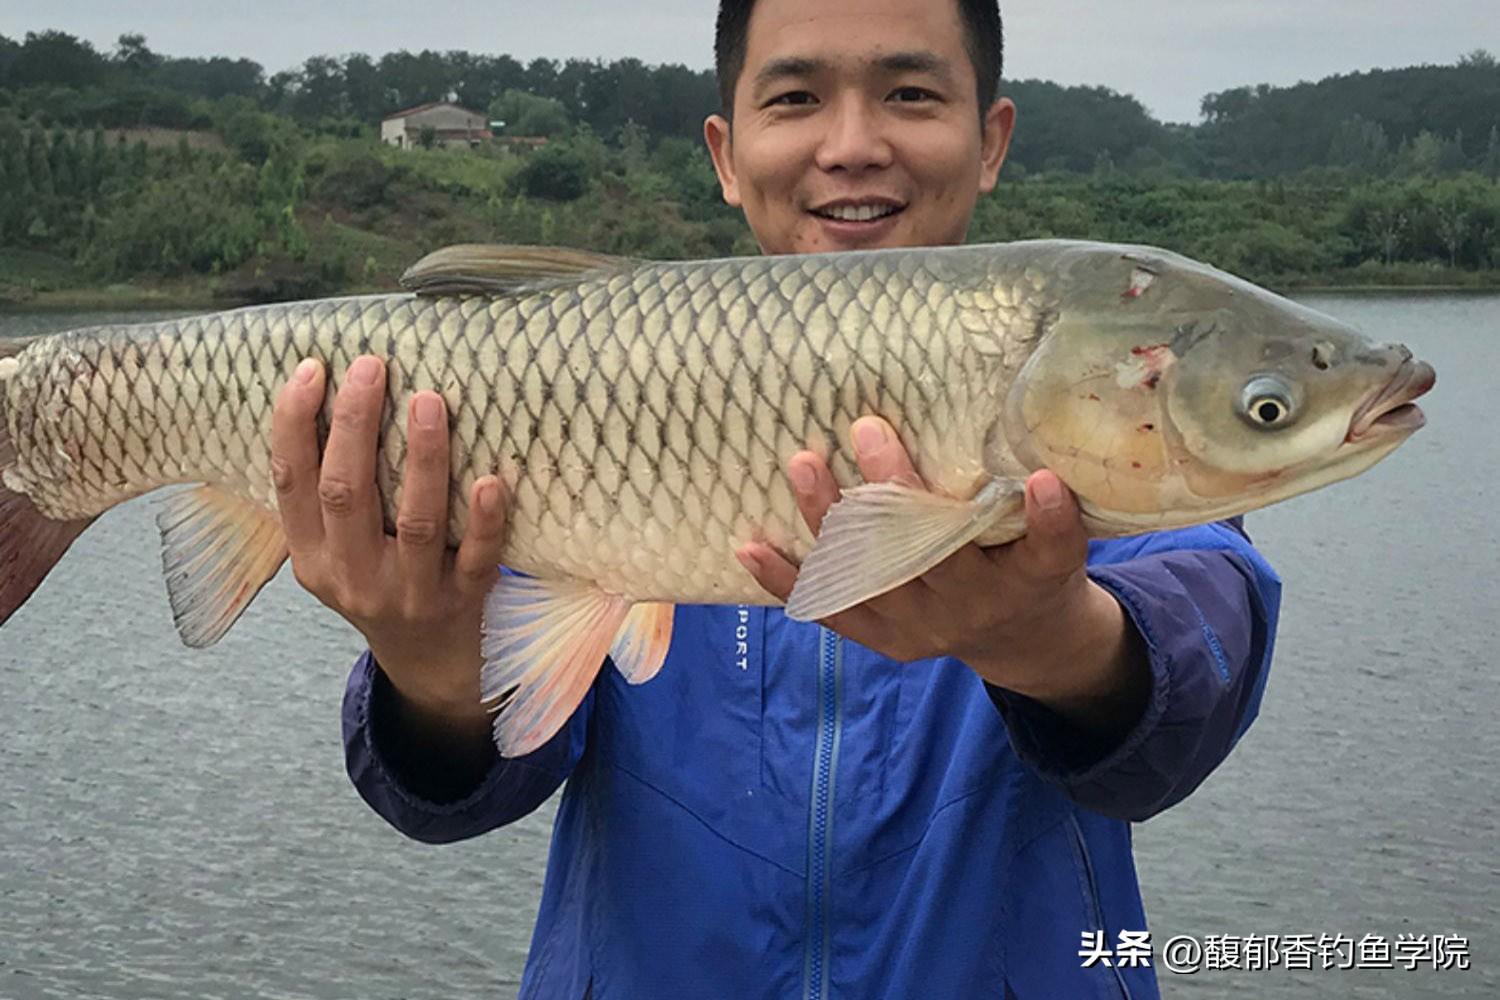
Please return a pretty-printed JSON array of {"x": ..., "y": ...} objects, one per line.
[{"x": 1391, "y": 410}]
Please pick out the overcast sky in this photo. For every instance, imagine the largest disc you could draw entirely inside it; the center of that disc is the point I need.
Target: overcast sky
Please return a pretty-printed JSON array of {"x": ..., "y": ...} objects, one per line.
[{"x": 1168, "y": 53}]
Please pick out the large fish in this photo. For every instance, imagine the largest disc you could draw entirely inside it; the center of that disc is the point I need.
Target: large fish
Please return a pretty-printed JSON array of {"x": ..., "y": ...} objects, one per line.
[{"x": 642, "y": 413}]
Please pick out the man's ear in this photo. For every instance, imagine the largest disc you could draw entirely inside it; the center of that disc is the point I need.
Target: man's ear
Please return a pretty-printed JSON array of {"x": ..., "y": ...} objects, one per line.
[
  {"x": 716, "y": 133},
  {"x": 994, "y": 141}
]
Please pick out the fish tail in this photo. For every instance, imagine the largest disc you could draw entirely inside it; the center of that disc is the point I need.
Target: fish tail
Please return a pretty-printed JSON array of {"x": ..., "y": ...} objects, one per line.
[{"x": 30, "y": 542}]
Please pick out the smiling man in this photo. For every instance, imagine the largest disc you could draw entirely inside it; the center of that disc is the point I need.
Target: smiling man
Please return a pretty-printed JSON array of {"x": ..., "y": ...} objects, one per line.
[
  {"x": 928, "y": 795},
  {"x": 857, "y": 126}
]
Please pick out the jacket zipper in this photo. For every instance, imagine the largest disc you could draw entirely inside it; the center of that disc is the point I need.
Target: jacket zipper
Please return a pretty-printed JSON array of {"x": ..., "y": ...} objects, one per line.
[
  {"x": 819, "y": 941},
  {"x": 1082, "y": 847}
]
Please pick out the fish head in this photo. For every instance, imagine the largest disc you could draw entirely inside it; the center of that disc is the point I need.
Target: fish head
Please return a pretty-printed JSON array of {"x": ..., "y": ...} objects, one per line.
[{"x": 1170, "y": 393}]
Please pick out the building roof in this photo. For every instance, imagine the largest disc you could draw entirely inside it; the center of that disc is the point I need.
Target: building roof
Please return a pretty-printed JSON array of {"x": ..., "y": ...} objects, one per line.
[{"x": 430, "y": 104}]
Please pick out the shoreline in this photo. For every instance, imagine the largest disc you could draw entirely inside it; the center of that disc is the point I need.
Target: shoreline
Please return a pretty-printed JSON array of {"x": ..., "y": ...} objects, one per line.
[
  {"x": 126, "y": 297},
  {"x": 1394, "y": 289},
  {"x": 132, "y": 297}
]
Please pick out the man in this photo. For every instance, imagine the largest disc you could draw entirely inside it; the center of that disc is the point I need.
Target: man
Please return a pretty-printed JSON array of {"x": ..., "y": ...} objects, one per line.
[{"x": 928, "y": 797}]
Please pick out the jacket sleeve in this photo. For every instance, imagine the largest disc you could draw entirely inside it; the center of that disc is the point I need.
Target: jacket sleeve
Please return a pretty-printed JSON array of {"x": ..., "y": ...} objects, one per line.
[
  {"x": 509, "y": 790},
  {"x": 1205, "y": 604}
]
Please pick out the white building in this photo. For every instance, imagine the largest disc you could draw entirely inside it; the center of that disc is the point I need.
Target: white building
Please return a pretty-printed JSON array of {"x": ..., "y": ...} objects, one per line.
[{"x": 451, "y": 125}]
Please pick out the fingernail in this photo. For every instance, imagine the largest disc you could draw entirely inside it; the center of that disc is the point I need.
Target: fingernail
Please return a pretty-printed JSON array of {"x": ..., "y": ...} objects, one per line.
[
  {"x": 751, "y": 564},
  {"x": 427, "y": 411},
  {"x": 489, "y": 496},
  {"x": 1048, "y": 493},
  {"x": 802, "y": 478},
  {"x": 869, "y": 436},
  {"x": 305, "y": 371},
  {"x": 364, "y": 371}
]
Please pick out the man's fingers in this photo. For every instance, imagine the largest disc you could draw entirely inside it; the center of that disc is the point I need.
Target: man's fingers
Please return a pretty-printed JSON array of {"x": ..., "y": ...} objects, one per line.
[
  {"x": 881, "y": 456},
  {"x": 346, "y": 487},
  {"x": 477, "y": 564},
  {"x": 772, "y": 570},
  {"x": 422, "y": 522},
  {"x": 294, "y": 457},
  {"x": 1056, "y": 544},
  {"x": 813, "y": 486}
]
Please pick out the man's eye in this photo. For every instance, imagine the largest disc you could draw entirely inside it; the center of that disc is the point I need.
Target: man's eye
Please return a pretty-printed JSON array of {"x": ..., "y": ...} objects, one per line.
[
  {"x": 795, "y": 98},
  {"x": 908, "y": 95}
]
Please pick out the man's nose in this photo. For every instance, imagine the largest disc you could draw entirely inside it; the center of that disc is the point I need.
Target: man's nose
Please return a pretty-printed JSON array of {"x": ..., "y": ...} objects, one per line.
[{"x": 855, "y": 139}]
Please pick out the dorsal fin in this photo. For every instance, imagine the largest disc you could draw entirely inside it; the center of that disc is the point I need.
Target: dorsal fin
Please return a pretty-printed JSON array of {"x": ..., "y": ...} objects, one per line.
[{"x": 485, "y": 268}]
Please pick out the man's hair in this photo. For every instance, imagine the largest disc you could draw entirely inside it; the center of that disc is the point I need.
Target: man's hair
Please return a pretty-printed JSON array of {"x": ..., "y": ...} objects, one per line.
[{"x": 984, "y": 38}]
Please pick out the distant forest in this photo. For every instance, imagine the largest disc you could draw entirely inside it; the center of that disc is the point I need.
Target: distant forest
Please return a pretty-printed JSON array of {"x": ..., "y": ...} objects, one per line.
[{"x": 134, "y": 166}]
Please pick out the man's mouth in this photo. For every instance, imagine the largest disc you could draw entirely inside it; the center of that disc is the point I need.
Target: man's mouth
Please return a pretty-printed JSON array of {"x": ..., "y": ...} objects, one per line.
[{"x": 858, "y": 211}]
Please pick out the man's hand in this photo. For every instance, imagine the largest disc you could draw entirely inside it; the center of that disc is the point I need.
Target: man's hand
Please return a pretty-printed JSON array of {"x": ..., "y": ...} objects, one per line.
[
  {"x": 1024, "y": 616},
  {"x": 418, "y": 605}
]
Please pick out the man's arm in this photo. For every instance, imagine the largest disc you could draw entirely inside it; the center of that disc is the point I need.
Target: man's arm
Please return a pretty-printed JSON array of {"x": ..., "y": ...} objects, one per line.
[
  {"x": 416, "y": 736},
  {"x": 1204, "y": 604},
  {"x": 405, "y": 775}
]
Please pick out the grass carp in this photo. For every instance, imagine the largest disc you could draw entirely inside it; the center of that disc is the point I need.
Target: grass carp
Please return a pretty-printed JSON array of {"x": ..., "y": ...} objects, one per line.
[{"x": 641, "y": 414}]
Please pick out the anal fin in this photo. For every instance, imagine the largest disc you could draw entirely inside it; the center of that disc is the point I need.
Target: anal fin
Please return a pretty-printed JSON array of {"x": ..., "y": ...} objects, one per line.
[
  {"x": 218, "y": 551},
  {"x": 30, "y": 545},
  {"x": 641, "y": 646},
  {"x": 882, "y": 535}
]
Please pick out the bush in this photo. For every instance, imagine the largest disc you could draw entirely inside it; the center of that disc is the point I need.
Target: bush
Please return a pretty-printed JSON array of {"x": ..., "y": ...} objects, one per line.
[
  {"x": 556, "y": 172},
  {"x": 205, "y": 222},
  {"x": 350, "y": 177}
]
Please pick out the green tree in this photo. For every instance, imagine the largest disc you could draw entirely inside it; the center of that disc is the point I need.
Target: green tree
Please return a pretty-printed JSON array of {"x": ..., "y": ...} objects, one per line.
[
  {"x": 214, "y": 78},
  {"x": 1068, "y": 128},
  {"x": 9, "y": 50},
  {"x": 62, "y": 158},
  {"x": 1385, "y": 225},
  {"x": 556, "y": 172},
  {"x": 1421, "y": 156},
  {"x": 279, "y": 191},
  {"x": 95, "y": 161},
  {"x": 526, "y": 114},
  {"x": 38, "y": 165},
  {"x": 1490, "y": 167},
  {"x": 252, "y": 134},
  {"x": 132, "y": 55},
  {"x": 319, "y": 90},
  {"x": 364, "y": 91},
  {"x": 58, "y": 58},
  {"x": 1360, "y": 145}
]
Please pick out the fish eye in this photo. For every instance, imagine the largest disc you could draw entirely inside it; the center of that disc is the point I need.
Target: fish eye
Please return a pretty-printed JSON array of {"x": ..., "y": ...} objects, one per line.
[{"x": 1266, "y": 402}]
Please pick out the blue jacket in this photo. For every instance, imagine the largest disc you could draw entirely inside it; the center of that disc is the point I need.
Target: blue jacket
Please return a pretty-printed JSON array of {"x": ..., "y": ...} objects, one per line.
[{"x": 782, "y": 813}]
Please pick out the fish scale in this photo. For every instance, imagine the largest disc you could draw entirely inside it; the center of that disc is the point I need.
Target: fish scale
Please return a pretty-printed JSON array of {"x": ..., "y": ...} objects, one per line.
[
  {"x": 710, "y": 440},
  {"x": 641, "y": 415}
]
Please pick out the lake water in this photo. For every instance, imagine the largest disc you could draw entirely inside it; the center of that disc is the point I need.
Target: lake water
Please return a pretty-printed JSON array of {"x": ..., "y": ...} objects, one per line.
[{"x": 179, "y": 825}]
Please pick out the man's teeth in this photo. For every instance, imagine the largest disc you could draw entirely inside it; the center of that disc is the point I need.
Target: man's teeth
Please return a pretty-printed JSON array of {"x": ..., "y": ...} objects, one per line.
[{"x": 858, "y": 213}]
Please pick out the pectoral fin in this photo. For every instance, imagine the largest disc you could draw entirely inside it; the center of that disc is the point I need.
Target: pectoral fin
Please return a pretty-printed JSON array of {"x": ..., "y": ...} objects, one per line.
[
  {"x": 544, "y": 642},
  {"x": 218, "y": 550},
  {"x": 882, "y": 535}
]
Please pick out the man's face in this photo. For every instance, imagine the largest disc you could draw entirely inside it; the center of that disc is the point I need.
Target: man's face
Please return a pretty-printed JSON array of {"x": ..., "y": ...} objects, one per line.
[{"x": 856, "y": 126}]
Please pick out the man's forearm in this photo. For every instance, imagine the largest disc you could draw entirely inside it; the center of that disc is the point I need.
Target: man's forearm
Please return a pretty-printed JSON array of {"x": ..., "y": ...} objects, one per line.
[
  {"x": 1090, "y": 667},
  {"x": 440, "y": 754}
]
